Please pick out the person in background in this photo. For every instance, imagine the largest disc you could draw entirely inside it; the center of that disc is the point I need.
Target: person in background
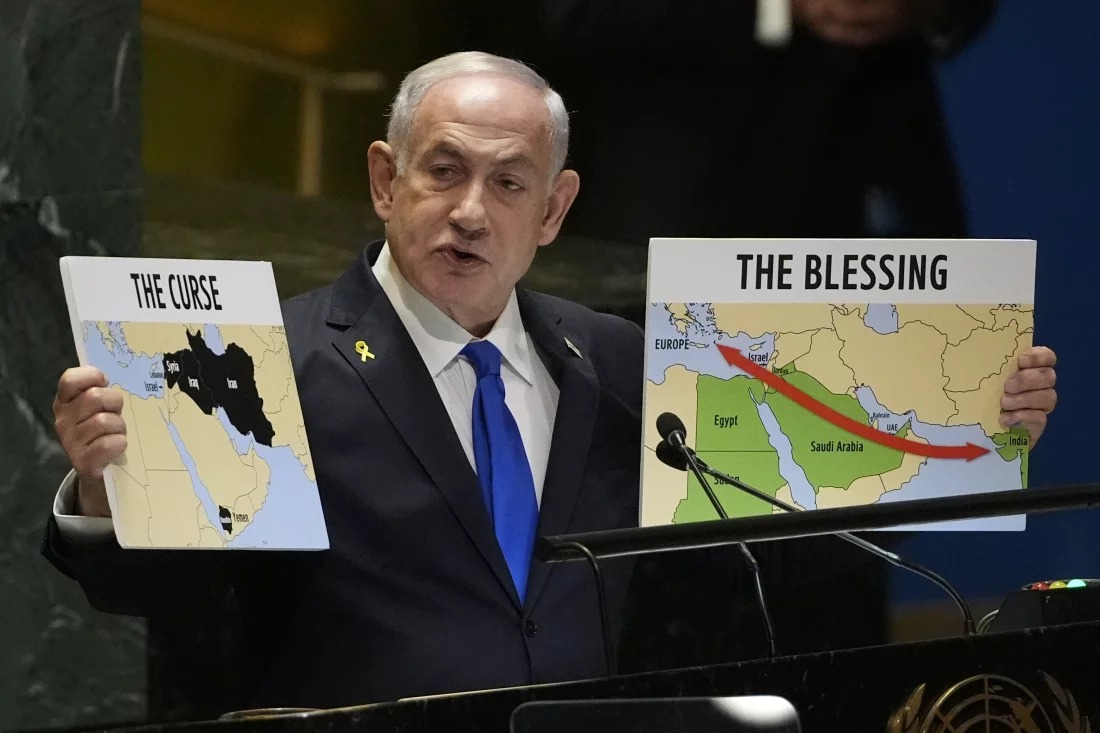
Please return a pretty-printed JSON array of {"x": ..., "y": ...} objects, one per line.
[{"x": 686, "y": 124}]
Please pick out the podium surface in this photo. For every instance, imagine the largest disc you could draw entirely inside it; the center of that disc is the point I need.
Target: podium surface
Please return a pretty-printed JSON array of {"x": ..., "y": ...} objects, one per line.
[{"x": 1044, "y": 680}]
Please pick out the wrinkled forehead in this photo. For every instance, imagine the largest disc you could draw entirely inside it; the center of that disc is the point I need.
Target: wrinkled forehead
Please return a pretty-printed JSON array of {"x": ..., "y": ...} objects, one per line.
[{"x": 484, "y": 108}]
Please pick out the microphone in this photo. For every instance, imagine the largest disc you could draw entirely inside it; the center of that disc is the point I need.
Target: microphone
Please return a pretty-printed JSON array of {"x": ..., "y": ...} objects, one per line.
[
  {"x": 674, "y": 434},
  {"x": 669, "y": 456},
  {"x": 673, "y": 437},
  {"x": 671, "y": 428},
  {"x": 678, "y": 459}
]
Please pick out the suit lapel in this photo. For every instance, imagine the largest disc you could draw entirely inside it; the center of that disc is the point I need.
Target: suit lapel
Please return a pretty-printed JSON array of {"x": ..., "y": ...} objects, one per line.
[
  {"x": 578, "y": 403},
  {"x": 400, "y": 383}
]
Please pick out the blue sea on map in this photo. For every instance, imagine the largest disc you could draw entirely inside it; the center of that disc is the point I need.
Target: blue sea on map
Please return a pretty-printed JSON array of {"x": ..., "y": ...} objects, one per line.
[
  {"x": 942, "y": 477},
  {"x": 801, "y": 488},
  {"x": 213, "y": 338},
  {"x": 701, "y": 354},
  {"x": 131, "y": 372},
  {"x": 882, "y": 318},
  {"x": 290, "y": 517},
  {"x": 201, "y": 491},
  {"x": 241, "y": 443}
]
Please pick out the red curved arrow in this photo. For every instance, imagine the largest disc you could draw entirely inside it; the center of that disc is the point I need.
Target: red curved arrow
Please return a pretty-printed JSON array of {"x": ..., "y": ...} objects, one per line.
[{"x": 735, "y": 358}]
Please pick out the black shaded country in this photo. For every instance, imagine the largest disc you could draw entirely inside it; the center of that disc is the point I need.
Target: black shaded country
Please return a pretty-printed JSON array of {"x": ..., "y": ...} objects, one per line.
[
  {"x": 180, "y": 368},
  {"x": 224, "y": 380},
  {"x": 226, "y": 518}
]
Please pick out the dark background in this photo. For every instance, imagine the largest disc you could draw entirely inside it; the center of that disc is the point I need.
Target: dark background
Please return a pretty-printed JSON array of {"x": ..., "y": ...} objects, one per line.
[{"x": 119, "y": 141}]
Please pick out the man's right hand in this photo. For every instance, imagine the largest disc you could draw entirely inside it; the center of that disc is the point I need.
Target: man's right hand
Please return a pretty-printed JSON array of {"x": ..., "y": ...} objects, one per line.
[{"x": 88, "y": 421}]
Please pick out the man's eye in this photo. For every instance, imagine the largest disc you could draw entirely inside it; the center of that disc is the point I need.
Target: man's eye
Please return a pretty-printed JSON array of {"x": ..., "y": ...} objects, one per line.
[
  {"x": 511, "y": 185},
  {"x": 443, "y": 172}
]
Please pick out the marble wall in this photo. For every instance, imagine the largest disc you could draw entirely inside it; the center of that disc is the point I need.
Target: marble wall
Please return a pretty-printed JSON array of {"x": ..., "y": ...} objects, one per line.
[{"x": 70, "y": 183}]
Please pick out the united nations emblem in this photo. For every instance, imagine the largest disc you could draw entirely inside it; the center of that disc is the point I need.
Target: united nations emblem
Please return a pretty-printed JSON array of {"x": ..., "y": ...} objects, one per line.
[{"x": 992, "y": 703}]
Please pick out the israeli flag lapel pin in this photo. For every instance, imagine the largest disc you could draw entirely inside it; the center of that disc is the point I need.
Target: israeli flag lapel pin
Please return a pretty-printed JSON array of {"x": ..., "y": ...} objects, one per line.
[{"x": 573, "y": 348}]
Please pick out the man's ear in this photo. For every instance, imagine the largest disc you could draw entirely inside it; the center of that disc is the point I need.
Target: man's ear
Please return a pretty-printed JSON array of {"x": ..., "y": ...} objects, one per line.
[
  {"x": 382, "y": 166},
  {"x": 564, "y": 192}
]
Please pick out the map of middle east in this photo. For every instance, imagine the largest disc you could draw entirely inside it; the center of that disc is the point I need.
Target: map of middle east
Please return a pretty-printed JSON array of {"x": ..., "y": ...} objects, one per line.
[
  {"x": 217, "y": 455},
  {"x": 827, "y": 405}
]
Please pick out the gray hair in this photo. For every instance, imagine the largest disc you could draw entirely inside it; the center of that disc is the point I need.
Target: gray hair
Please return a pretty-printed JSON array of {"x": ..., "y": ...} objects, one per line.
[{"x": 470, "y": 63}]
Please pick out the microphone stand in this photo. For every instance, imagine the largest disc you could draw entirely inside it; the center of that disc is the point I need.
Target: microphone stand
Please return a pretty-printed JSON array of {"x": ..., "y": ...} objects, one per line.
[
  {"x": 601, "y": 600},
  {"x": 894, "y": 559},
  {"x": 696, "y": 465}
]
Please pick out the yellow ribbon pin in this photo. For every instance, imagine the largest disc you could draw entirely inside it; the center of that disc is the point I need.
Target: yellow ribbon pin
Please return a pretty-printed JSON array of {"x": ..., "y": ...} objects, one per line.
[{"x": 362, "y": 350}]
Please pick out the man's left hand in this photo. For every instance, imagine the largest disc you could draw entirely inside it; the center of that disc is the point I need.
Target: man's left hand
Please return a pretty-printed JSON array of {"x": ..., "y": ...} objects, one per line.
[{"x": 1029, "y": 394}]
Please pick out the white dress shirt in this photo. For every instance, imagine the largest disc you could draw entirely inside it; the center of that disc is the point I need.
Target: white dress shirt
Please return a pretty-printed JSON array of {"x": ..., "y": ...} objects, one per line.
[{"x": 530, "y": 391}]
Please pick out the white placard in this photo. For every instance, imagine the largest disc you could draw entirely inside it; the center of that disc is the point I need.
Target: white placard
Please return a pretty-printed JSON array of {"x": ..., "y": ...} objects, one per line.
[{"x": 836, "y": 372}]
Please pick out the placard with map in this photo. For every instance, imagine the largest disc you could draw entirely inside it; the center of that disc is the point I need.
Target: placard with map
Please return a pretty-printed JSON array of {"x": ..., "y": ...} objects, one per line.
[
  {"x": 835, "y": 373},
  {"x": 217, "y": 455}
]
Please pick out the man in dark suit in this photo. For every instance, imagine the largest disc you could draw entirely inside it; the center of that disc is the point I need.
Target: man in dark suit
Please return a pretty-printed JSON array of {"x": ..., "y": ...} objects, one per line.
[
  {"x": 420, "y": 592},
  {"x": 428, "y": 586}
]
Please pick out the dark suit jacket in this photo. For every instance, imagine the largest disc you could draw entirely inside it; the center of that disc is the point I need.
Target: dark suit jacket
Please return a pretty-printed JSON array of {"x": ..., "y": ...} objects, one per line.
[{"x": 414, "y": 596}]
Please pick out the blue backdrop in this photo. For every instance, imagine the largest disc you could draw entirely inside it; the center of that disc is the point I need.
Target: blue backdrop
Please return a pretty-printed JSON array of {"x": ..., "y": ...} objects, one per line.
[{"x": 1023, "y": 106}]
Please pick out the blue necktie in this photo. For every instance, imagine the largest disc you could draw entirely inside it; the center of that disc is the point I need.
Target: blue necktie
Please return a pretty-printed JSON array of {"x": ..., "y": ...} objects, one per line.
[{"x": 502, "y": 466}]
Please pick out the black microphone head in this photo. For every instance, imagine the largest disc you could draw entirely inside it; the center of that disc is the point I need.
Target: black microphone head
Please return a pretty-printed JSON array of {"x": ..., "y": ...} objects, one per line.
[
  {"x": 669, "y": 456},
  {"x": 667, "y": 423}
]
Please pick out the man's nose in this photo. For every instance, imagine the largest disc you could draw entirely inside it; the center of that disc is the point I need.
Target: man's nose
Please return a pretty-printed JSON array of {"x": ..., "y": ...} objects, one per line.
[{"x": 468, "y": 214}]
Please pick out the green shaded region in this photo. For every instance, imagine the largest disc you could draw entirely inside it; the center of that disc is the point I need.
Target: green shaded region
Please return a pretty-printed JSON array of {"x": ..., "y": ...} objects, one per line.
[
  {"x": 1012, "y": 443},
  {"x": 726, "y": 415},
  {"x": 830, "y": 456},
  {"x": 757, "y": 469}
]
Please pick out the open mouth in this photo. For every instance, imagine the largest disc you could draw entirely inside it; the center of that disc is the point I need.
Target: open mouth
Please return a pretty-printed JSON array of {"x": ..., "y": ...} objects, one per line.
[{"x": 462, "y": 257}]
